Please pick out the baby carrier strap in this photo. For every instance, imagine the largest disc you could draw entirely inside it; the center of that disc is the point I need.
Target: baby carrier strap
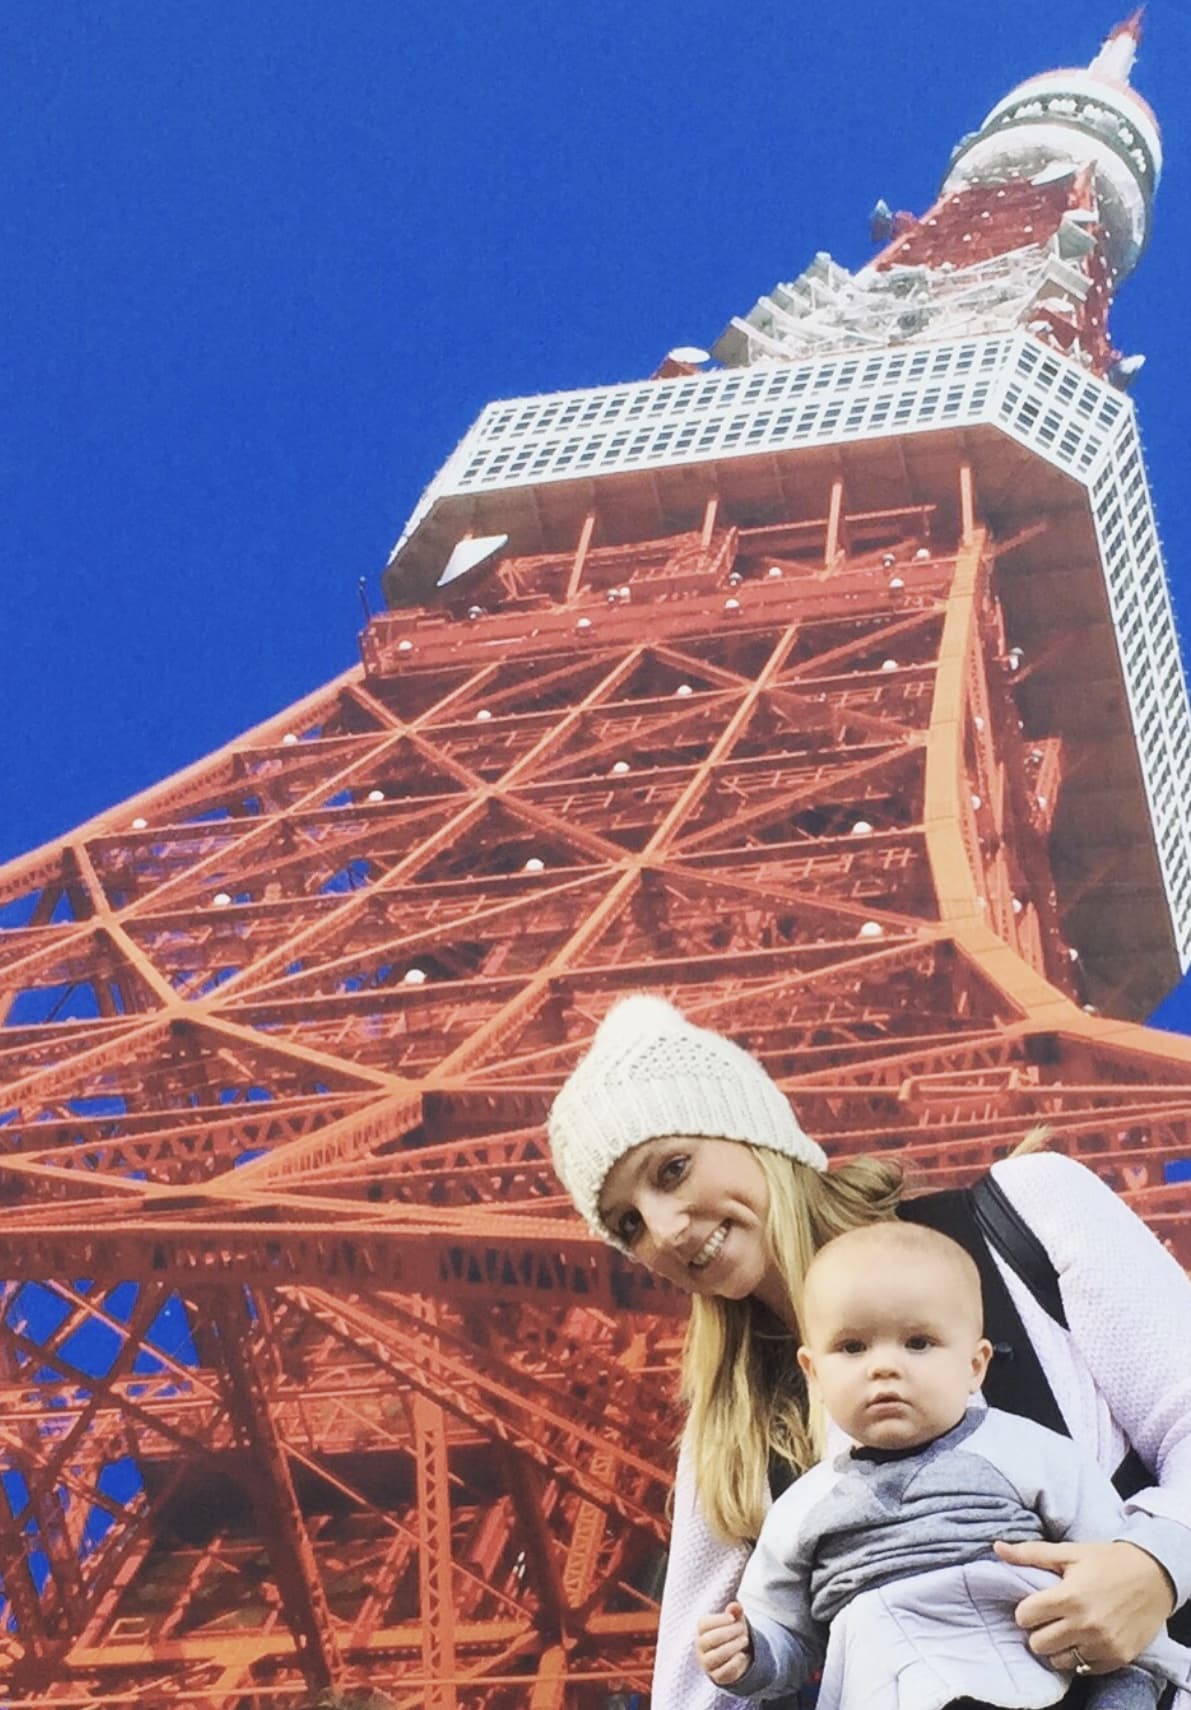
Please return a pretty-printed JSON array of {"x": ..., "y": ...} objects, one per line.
[
  {"x": 1016, "y": 1382},
  {"x": 1007, "y": 1232}
]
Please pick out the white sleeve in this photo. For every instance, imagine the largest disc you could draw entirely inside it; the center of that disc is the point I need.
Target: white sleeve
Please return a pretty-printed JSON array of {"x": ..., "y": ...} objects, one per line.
[
  {"x": 701, "y": 1578},
  {"x": 1057, "y": 1477},
  {"x": 775, "y": 1591},
  {"x": 1128, "y": 1306},
  {"x": 780, "y": 1662}
]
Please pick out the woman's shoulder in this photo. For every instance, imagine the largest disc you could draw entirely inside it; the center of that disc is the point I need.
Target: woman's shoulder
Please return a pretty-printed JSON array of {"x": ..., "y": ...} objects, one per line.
[
  {"x": 1077, "y": 1216},
  {"x": 1044, "y": 1178}
]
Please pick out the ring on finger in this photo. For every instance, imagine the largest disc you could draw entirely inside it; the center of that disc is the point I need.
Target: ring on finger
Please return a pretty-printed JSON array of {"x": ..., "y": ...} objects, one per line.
[{"x": 1082, "y": 1665}]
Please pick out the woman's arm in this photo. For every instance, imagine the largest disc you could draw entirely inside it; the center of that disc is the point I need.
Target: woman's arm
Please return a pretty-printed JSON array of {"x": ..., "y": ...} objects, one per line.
[
  {"x": 1128, "y": 1306},
  {"x": 702, "y": 1576}
]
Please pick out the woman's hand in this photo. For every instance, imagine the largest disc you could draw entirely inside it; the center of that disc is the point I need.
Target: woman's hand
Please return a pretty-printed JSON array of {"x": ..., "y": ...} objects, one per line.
[
  {"x": 724, "y": 1645},
  {"x": 1108, "y": 1605}
]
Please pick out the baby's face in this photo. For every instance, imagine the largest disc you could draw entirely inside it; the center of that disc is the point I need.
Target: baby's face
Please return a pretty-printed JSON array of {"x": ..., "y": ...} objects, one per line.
[{"x": 895, "y": 1351}]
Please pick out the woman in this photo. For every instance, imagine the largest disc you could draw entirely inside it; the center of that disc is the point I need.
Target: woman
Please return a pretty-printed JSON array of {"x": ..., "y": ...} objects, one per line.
[{"x": 677, "y": 1147}]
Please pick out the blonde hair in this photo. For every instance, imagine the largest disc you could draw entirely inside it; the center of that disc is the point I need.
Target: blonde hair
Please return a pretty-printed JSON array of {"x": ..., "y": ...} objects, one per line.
[
  {"x": 745, "y": 1395},
  {"x": 1035, "y": 1139}
]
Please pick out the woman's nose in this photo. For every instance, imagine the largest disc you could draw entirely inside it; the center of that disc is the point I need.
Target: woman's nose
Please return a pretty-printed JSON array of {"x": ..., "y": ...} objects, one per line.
[{"x": 665, "y": 1222}]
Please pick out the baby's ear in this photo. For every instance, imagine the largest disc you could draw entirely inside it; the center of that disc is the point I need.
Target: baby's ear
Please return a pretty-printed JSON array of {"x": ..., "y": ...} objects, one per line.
[
  {"x": 807, "y": 1361},
  {"x": 981, "y": 1355}
]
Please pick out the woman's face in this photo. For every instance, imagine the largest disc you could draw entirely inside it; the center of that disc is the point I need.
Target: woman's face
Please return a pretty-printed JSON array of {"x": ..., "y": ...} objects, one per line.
[{"x": 694, "y": 1211}]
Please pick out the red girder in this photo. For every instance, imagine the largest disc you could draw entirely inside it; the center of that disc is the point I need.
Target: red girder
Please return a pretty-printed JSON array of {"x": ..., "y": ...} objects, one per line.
[{"x": 270, "y": 1489}]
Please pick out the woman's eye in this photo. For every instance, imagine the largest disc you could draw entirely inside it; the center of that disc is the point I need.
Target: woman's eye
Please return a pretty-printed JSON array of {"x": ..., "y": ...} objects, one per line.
[
  {"x": 628, "y": 1227},
  {"x": 672, "y": 1171}
]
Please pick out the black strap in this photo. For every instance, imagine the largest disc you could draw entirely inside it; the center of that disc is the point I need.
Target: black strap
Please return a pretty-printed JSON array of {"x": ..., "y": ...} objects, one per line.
[
  {"x": 1009, "y": 1235},
  {"x": 1006, "y": 1230},
  {"x": 1016, "y": 1382},
  {"x": 1075, "y": 1698}
]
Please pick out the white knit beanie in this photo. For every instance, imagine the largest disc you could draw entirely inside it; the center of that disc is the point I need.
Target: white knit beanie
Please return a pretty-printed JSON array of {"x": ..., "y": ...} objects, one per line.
[{"x": 650, "y": 1073}]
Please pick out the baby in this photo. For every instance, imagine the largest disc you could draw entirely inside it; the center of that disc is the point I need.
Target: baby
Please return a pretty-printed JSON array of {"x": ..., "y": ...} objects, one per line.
[{"x": 878, "y": 1563}]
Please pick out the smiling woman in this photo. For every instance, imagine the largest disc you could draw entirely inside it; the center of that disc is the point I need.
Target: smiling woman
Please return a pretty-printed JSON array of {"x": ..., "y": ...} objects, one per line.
[
  {"x": 672, "y": 1140},
  {"x": 693, "y": 1209},
  {"x": 677, "y": 1147}
]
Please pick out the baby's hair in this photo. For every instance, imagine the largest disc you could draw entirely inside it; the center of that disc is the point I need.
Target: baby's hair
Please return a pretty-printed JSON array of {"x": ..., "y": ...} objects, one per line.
[{"x": 889, "y": 1241}]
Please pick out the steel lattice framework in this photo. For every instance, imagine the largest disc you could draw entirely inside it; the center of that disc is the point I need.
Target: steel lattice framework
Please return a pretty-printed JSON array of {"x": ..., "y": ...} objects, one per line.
[
  {"x": 311, "y": 1377},
  {"x": 345, "y": 1390}
]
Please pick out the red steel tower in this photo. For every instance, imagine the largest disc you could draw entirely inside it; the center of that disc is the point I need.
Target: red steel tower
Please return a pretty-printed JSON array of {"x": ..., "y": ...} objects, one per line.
[{"x": 832, "y": 691}]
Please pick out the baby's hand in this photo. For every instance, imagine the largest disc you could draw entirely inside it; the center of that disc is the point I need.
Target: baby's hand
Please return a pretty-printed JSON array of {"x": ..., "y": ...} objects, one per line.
[{"x": 724, "y": 1646}]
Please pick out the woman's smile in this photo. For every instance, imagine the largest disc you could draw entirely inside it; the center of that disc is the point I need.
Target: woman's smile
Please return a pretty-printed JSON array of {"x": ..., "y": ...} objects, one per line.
[{"x": 710, "y": 1249}]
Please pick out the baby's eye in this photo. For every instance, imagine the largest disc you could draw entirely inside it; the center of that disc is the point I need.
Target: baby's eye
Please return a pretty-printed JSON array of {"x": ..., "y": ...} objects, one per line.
[
  {"x": 919, "y": 1344},
  {"x": 853, "y": 1345}
]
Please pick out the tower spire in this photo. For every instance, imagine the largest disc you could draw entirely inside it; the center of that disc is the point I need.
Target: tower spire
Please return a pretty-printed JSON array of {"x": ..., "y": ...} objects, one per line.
[{"x": 1118, "y": 51}]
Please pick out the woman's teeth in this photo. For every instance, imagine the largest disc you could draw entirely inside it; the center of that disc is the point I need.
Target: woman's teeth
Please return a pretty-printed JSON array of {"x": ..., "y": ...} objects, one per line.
[{"x": 710, "y": 1248}]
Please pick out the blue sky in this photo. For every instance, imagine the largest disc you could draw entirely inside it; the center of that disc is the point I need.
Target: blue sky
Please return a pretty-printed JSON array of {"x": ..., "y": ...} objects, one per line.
[{"x": 262, "y": 263}]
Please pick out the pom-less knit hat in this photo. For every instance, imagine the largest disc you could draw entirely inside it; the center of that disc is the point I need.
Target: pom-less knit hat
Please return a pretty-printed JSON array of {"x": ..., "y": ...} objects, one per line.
[{"x": 650, "y": 1073}]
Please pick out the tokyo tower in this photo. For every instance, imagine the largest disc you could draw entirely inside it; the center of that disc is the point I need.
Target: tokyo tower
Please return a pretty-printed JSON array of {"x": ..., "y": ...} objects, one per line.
[{"x": 830, "y": 689}]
